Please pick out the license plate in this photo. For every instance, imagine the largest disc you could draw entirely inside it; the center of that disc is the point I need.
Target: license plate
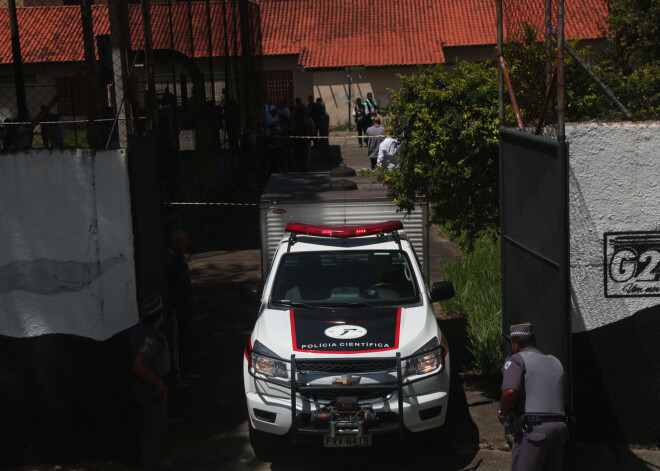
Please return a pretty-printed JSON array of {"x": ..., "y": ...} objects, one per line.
[{"x": 346, "y": 441}]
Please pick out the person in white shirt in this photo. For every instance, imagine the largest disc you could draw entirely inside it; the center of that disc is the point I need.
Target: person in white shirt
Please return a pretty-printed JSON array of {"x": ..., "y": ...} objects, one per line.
[
  {"x": 271, "y": 118},
  {"x": 387, "y": 152}
]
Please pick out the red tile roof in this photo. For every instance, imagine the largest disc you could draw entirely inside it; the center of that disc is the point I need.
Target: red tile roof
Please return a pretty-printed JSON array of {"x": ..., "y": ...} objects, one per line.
[
  {"x": 323, "y": 33},
  {"x": 341, "y": 33},
  {"x": 54, "y": 34}
]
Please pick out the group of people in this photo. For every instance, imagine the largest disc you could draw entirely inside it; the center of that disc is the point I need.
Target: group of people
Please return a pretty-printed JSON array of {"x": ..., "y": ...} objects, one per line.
[
  {"x": 382, "y": 148},
  {"x": 18, "y": 134},
  {"x": 282, "y": 139},
  {"x": 364, "y": 114}
]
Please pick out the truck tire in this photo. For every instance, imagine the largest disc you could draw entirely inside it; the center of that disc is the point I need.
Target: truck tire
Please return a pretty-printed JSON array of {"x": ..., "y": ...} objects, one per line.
[{"x": 265, "y": 445}]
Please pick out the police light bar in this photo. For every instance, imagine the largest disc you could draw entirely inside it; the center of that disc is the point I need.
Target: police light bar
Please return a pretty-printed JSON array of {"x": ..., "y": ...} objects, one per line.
[{"x": 343, "y": 231}]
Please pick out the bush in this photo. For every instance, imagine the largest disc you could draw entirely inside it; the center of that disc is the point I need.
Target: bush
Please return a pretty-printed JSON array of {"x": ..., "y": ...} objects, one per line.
[
  {"x": 476, "y": 279},
  {"x": 446, "y": 120}
]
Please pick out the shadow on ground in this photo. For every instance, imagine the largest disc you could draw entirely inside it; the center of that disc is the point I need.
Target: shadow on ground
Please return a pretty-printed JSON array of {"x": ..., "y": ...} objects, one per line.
[{"x": 208, "y": 428}]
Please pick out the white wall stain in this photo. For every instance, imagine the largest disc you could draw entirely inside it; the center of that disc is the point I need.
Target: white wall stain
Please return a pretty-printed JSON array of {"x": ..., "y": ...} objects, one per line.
[{"x": 67, "y": 263}]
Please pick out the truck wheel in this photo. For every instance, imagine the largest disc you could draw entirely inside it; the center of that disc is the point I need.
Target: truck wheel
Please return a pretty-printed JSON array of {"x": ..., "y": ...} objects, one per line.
[{"x": 265, "y": 445}]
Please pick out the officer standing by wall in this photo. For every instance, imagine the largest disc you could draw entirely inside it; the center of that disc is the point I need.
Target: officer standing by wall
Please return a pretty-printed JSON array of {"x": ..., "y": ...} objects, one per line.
[
  {"x": 151, "y": 365},
  {"x": 533, "y": 400}
]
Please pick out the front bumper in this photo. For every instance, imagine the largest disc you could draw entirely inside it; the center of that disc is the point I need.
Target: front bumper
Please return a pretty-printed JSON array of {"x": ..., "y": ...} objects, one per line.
[{"x": 383, "y": 402}]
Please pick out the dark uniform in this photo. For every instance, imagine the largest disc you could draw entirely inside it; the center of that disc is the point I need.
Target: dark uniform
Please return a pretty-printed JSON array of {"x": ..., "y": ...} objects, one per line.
[
  {"x": 152, "y": 347},
  {"x": 538, "y": 412},
  {"x": 179, "y": 285}
]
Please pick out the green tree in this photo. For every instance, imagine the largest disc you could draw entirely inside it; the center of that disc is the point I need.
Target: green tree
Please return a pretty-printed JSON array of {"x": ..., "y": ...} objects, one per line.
[
  {"x": 631, "y": 63},
  {"x": 637, "y": 87},
  {"x": 446, "y": 119},
  {"x": 633, "y": 30}
]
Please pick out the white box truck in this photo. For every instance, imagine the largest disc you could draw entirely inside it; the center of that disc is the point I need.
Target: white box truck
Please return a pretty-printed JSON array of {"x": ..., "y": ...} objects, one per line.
[{"x": 321, "y": 198}]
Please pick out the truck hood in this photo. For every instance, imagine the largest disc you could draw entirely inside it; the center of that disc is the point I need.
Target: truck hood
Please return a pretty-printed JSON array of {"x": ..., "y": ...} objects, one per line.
[{"x": 344, "y": 331}]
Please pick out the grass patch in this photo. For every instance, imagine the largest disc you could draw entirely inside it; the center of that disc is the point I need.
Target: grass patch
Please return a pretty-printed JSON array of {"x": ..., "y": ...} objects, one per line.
[
  {"x": 339, "y": 127},
  {"x": 477, "y": 281}
]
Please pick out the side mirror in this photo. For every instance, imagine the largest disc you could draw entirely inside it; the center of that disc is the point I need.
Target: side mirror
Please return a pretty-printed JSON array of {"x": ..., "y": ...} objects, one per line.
[
  {"x": 442, "y": 290},
  {"x": 250, "y": 293}
]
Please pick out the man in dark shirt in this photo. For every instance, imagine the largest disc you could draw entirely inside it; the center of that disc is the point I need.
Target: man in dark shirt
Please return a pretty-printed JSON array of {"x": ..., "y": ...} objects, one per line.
[{"x": 180, "y": 308}]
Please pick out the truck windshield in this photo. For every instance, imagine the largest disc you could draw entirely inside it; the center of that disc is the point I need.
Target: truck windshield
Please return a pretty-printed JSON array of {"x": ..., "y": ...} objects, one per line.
[{"x": 345, "y": 278}]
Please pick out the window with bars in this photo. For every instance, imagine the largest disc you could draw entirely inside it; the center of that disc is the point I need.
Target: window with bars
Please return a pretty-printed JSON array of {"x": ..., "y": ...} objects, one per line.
[
  {"x": 279, "y": 86},
  {"x": 71, "y": 97}
]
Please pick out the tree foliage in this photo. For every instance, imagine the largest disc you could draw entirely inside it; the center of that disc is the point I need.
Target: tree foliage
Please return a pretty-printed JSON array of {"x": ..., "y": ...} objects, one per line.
[
  {"x": 633, "y": 30},
  {"x": 446, "y": 118},
  {"x": 631, "y": 63},
  {"x": 447, "y": 121},
  {"x": 628, "y": 62}
]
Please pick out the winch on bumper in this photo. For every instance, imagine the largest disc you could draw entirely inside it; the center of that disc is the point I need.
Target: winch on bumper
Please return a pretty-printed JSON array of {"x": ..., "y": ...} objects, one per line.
[{"x": 335, "y": 404}]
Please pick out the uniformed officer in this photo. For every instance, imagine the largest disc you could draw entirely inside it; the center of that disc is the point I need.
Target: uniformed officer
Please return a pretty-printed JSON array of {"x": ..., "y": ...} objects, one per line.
[
  {"x": 533, "y": 400},
  {"x": 151, "y": 365}
]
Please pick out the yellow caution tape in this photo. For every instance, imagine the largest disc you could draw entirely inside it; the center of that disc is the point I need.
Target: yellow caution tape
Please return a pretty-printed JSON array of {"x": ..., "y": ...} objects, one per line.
[{"x": 203, "y": 203}]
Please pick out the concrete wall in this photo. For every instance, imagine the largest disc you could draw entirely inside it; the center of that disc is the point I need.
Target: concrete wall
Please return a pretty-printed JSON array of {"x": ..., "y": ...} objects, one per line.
[
  {"x": 67, "y": 299},
  {"x": 68, "y": 261},
  {"x": 614, "y": 181}
]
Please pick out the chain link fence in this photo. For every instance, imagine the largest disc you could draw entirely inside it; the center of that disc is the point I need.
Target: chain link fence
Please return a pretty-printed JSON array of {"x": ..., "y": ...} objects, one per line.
[
  {"x": 75, "y": 74},
  {"x": 534, "y": 71}
]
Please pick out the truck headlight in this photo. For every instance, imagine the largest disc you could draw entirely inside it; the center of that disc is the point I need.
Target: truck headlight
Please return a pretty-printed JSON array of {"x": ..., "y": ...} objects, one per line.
[
  {"x": 265, "y": 361},
  {"x": 427, "y": 359}
]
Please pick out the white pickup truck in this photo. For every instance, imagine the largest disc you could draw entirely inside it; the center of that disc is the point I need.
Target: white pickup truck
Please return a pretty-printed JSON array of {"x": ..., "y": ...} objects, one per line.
[{"x": 346, "y": 349}]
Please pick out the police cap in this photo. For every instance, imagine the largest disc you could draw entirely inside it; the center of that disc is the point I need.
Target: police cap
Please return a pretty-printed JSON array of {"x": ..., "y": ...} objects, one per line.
[
  {"x": 151, "y": 309},
  {"x": 520, "y": 331}
]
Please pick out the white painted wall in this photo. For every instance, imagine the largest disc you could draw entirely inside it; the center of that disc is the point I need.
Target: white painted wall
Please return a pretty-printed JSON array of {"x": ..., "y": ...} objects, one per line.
[
  {"x": 614, "y": 185},
  {"x": 67, "y": 261}
]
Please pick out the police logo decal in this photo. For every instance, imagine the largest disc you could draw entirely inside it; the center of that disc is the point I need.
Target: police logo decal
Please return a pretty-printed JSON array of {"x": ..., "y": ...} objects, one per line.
[{"x": 345, "y": 332}]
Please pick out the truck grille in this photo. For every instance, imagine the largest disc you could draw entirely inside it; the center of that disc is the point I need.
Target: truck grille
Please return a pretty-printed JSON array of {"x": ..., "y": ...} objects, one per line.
[
  {"x": 345, "y": 367},
  {"x": 362, "y": 397}
]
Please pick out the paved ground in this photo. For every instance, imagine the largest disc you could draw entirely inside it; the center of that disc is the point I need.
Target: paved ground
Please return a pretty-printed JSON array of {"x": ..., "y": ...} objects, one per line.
[{"x": 208, "y": 420}]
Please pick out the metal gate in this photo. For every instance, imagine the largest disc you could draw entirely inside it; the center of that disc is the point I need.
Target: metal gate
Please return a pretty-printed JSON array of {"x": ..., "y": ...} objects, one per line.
[
  {"x": 534, "y": 228},
  {"x": 145, "y": 172}
]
